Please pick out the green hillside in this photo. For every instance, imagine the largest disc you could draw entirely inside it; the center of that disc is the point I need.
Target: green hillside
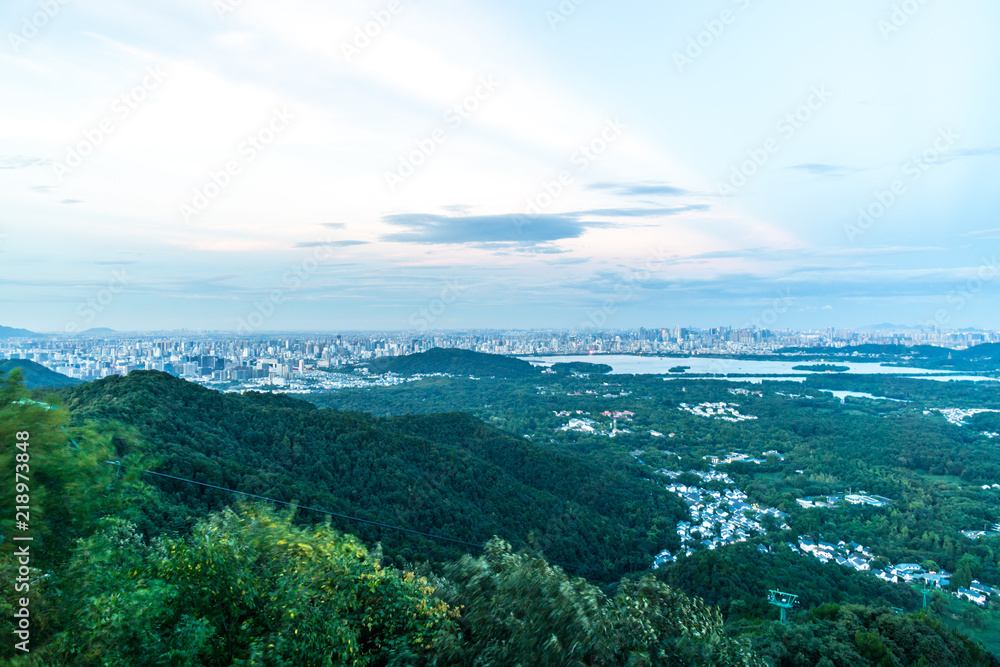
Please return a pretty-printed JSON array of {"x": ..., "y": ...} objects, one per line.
[
  {"x": 37, "y": 376},
  {"x": 124, "y": 573},
  {"x": 581, "y": 367},
  {"x": 455, "y": 362},
  {"x": 448, "y": 474},
  {"x": 737, "y": 579},
  {"x": 985, "y": 357}
]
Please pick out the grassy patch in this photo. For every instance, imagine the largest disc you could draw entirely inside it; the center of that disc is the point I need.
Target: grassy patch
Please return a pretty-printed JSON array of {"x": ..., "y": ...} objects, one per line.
[{"x": 987, "y": 631}]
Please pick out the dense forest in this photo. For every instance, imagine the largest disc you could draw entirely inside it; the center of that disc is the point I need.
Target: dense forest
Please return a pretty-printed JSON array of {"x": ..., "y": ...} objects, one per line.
[
  {"x": 456, "y": 362},
  {"x": 906, "y": 450},
  {"x": 985, "y": 357},
  {"x": 447, "y": 473},
  {"x": 246, "y": 585},
  {"x": 580, "y": 367},
  {"x": 132, "y": 568},
  {"x": 35, "y": 375}
]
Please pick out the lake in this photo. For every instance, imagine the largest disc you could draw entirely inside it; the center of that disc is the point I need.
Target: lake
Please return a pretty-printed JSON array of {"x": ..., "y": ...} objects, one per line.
[{"x": 636, "y": 365}]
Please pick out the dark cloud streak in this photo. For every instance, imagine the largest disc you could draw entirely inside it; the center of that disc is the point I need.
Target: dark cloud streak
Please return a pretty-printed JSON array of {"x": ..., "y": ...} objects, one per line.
[
  {"x": 486, "y": 229},
  {"x": 643, "y": 189},
  {"x": 828, "y": 170}
]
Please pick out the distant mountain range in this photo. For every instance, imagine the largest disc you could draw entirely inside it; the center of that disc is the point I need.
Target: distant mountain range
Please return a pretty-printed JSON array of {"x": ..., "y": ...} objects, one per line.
[
  {"x": 9, "y": 332},
  {"x": 888, "y": 326},
  {"x": 37, "y": 376}
]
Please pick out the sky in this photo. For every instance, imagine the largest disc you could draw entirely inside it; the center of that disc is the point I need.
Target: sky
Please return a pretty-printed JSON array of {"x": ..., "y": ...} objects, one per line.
[{"x": 435, "y": 164}]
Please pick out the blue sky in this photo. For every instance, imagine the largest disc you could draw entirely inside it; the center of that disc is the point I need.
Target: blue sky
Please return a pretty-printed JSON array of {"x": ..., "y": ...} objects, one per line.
[{"x": 354, "y": 165}]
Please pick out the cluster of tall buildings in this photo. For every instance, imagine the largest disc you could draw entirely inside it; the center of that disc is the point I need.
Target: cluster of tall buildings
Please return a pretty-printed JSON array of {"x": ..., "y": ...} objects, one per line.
[{"x": 222, "y": 356}]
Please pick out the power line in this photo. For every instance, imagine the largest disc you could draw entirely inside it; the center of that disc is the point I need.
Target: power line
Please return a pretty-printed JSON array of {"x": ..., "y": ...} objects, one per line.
[
  {"x": 570, "y": 566},
  {"x": 311, "y": 509}
]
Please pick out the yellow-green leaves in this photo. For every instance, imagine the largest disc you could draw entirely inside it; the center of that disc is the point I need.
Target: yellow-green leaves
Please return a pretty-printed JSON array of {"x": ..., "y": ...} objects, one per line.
[{"x": 261, "y": 589}]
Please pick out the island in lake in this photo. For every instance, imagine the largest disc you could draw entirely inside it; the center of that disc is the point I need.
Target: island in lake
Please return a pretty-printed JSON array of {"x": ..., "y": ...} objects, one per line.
[{"x": 822, "y": 368}]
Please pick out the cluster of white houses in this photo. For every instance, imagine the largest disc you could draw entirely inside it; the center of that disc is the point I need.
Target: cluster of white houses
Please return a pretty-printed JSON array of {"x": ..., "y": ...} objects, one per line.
[
  {"x": 958, "y": 416},
  {"x": 723, "y": 411},
  {"x": 838, "y": 498},
  {"x": 724, "y": 517},
  {"x": 848, "y": 554},
  {"x": 586, "y": 425},
  {"x": 718, "y": 518},
  {"x": 858, "y": 557},
  {"x": 738, "y": 457}
]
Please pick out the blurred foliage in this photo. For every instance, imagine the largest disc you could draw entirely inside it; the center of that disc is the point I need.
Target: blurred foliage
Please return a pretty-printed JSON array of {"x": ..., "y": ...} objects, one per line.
[
  {"x": 517, "y": 609},
  {"x": 856, "y": 636},
  {"x": 246, "y": 587}
]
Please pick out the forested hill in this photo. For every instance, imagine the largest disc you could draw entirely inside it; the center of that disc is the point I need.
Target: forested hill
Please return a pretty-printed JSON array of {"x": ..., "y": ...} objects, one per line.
[
  {"x": 36, "y": 375},
  {"x": 581, "y": 367},
  {"x": 455, "y": 362},
  {"x": 447, "y": 474},
  {"x": 983, "y": 357}
]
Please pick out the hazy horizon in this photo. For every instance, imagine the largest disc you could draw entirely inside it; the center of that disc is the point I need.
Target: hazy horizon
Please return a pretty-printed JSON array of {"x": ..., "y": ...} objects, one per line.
[{"x": 425, "y": 332}]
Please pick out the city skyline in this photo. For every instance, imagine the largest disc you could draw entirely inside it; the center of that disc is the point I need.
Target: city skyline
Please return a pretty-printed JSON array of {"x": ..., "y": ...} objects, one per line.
[
  {"x": 302, "y": 360},
  {"x": 230, "y": 165}
]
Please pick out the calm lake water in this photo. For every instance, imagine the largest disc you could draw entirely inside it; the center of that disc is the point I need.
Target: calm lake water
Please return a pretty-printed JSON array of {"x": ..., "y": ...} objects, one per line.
[{"x": 630, "y": 364}]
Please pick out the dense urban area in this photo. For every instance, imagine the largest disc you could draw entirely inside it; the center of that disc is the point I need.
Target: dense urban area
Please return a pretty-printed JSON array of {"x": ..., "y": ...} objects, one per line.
[{"x": 225, "y": 357}]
